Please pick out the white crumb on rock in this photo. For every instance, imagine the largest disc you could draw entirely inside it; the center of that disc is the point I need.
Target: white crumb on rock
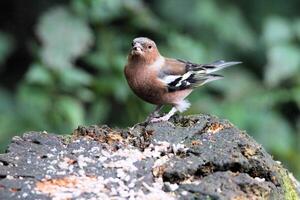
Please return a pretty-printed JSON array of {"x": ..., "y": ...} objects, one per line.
[
  {"x": 76, "y": 177},
  {"x": 259, "y": 179}
]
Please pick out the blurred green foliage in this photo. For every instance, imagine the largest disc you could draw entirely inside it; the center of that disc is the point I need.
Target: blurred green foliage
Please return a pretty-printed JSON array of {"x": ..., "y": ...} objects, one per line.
[{"x": 80, "y": 49}]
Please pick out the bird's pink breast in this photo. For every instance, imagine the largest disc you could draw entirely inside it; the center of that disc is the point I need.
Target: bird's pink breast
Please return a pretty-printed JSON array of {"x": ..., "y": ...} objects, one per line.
[{"x": 145, "y": 84}]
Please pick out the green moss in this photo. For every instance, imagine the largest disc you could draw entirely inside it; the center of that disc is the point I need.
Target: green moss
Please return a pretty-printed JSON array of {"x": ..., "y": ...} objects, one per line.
[
  {"x": 290, "y": 192},
  {"x": 67, "y": 138}
]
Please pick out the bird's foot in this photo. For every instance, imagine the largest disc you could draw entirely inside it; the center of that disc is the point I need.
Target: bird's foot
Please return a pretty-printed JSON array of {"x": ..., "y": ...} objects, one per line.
[
  {"x": 152, "y": 116},
  {"x": 160, "y": 119}
]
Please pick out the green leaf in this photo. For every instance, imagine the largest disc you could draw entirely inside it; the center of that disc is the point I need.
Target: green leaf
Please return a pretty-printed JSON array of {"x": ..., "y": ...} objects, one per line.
[
  {"x": 283, "y": 63},
  {"x": 106, "y": 85},
  {"x": 121, "y": 90},
  {"x": 105, "y": 10},
  {"x": 33, "y": 98},
  {"x": 98, "y": 60},
  {"x": 270, "y": 125},
  {"x": 80, "y": 8},
  {"x": 74, "y": 77},
  {"x": 296, "y": 96},
  {"x": 297, "y": 27},
  {"x": 6, "y": 101},
  {"x": 6, "y": 46},
  {"x": 39, "y": 74},
  {"x": 33, "y": 107},
  {"x": 98, "y": 111},
  {"x": 237, "y": 84},
  {"x": 234, "y": 29},
  {"x": 85, "y": 95},
  {"x": 277, "y": 30},
  {"x": 180, "y": 46},
  {"x": 70, "y": 110},
  {"x": 108, "y": 55},
  {"x": 170, "y": 10},
  {"x": 64, "y": 37}
]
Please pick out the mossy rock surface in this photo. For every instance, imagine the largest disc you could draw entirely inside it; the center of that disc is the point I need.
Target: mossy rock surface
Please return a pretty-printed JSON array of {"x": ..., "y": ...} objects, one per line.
[{"x": 192, "y": 157}]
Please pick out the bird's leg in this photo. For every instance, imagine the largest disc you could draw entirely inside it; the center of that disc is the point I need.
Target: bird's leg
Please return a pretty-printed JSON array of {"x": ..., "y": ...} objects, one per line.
[
  {"x": 180, "y": 106},
  {"x": 165, "y": 117},
  {"x": 154, "y": 113},
  {"x": 151, "y": 116}
]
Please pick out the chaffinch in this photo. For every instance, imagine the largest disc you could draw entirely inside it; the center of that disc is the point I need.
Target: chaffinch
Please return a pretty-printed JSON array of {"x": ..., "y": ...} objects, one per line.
[{"x": 166, "y": 81}]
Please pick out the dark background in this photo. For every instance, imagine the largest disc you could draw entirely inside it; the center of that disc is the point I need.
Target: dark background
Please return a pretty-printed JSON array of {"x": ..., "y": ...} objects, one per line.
[{"x": 61, "y": 64}]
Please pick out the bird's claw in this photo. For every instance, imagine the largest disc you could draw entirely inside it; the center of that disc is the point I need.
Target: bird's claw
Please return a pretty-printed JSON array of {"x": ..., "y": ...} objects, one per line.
[{"x": 160, "y": 119}]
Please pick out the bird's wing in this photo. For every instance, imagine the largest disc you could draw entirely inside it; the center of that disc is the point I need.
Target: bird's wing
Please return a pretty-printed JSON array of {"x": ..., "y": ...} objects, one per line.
[{"x": 181, "y": 75}]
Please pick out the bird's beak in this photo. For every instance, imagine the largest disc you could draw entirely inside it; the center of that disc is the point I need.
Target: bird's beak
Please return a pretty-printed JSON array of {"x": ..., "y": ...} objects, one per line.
[{"x": 137, "y": 48}]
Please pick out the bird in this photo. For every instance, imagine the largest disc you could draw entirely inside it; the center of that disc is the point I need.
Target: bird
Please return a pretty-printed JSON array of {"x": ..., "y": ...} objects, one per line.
[{"x": 166, "y": 81}]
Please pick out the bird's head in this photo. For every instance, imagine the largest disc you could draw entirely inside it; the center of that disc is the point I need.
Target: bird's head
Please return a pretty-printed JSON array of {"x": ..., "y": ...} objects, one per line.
[{"x": 143, "y": 49}]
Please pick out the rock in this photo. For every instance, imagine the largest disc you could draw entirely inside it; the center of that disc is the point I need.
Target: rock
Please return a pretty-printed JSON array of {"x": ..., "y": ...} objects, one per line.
[{"x": 194, "y": 157}]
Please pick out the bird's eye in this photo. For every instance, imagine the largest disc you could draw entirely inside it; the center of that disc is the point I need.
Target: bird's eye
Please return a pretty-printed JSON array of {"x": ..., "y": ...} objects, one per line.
[
  {"x": 149, "y": 47},
  {"x": 132, "y": 44}
]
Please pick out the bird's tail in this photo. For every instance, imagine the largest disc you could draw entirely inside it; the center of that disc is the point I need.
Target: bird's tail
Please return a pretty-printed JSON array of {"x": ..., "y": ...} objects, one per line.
[
  {"x": 210, "y": 77},
  {"x": 203, "y": 78},
  {"x": 218, "y": 65}
]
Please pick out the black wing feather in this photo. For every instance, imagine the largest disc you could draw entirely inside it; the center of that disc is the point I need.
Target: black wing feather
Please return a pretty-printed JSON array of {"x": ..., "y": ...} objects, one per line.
[{"x": 199, "y": 74}]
